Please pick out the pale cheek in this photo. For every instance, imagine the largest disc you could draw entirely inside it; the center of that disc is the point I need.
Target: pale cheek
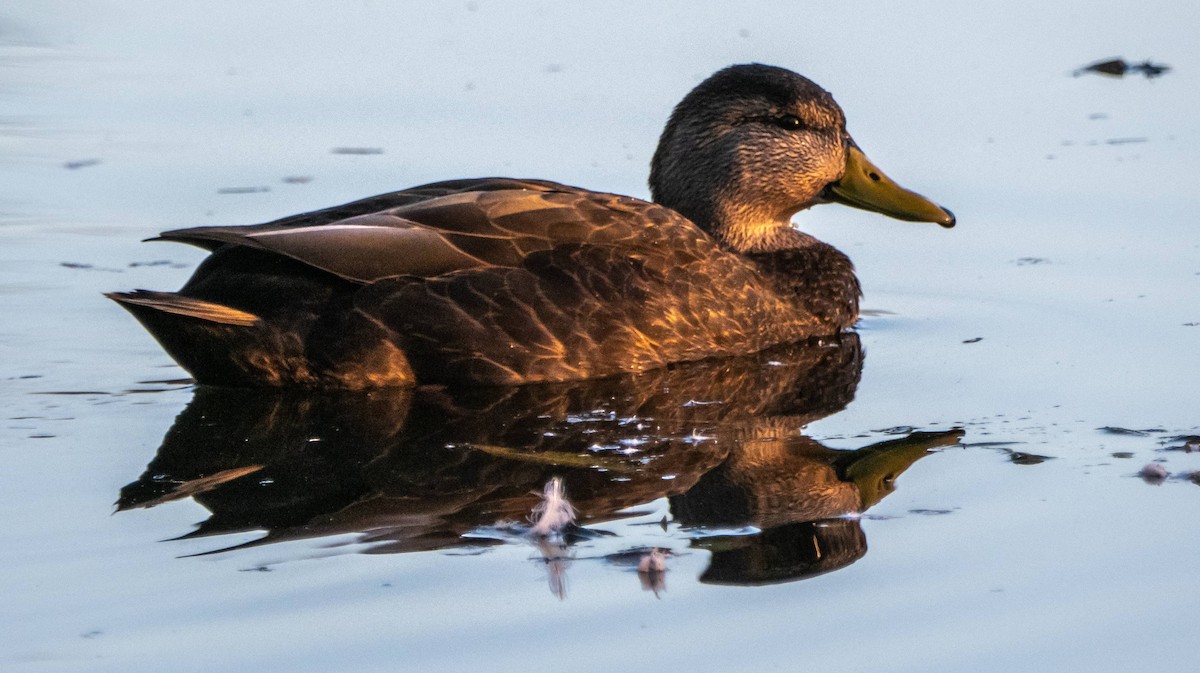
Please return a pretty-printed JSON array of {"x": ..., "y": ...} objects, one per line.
[{"x": 834, "y": 164}]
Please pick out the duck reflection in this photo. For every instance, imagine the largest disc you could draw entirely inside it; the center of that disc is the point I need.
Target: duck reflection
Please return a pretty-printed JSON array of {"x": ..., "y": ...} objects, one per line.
[
  {"x": 799, "y": 493},
  {"x": 424, "y": 469}
]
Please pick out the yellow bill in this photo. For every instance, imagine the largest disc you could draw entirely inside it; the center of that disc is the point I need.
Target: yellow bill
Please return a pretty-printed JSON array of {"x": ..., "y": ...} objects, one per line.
[{"x": 865, "y": 186}]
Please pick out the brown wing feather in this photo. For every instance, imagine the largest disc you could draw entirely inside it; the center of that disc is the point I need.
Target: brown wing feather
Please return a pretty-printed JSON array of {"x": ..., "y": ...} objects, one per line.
[
  {"x": 367, "y": 248},
  {"x": 214, "y": 237},
  {"x": 499, "y": 225}
]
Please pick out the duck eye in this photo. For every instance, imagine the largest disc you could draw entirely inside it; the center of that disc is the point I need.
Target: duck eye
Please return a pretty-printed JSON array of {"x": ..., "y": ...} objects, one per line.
[{"x": 789, "y": 122}]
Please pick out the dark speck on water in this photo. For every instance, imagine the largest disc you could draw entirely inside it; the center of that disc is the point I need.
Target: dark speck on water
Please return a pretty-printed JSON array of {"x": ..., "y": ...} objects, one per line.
[
  {"x": 158, "y": 262},
  {"x": 82, "y": 266},
  {"x": 1114, "y": 430},
  {"x": 1022, "y": 458},
  {"x": 357, "y": 150},
  {"x": 973, "y": 341},
  {"x": 82, "y": 163},
  {"x": 898, "y": 430},
  {"x": 243, "y": 190},
  {"x": 1119, "y": 67}
]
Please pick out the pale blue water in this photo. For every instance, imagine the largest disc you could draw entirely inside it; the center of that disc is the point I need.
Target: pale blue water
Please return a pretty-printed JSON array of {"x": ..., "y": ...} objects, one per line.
[{"x": 1076, "y": 262}]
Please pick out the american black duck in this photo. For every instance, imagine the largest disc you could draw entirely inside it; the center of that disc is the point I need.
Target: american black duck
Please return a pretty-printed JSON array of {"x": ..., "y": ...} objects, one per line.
[{"x": 505, "y": 281}]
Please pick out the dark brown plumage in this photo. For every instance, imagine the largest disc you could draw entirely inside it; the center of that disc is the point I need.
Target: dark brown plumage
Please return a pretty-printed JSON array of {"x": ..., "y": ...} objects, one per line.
[{"x": 496, "y": 280}]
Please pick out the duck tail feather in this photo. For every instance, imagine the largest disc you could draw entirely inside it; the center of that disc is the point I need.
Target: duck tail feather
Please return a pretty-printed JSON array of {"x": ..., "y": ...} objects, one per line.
[{"x": 169, "y": 302}]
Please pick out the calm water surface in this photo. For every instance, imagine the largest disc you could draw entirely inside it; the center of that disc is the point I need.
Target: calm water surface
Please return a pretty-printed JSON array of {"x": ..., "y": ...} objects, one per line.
[{"x": 953, "y": 488}]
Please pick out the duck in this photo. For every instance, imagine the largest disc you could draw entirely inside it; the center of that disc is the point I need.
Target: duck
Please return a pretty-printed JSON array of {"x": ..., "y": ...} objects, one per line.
[{"x": 506, "y": 281}]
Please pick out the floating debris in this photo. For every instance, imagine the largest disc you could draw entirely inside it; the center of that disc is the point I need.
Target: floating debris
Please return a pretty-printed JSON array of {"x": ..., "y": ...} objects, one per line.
[
  {"x": 297, "y": 179},
  {"x": 898, "y": 430},
  {"x": 1116, "y": 67},
  {"x": 652, "y": 571},
  {"x": 973, "y": 341},
  {"x": 1185, "y": 443},
  {"x": 1022, "y": 458},
  {"x": 554, "y": 513},
  {"x": 1126, "y": 141},
  {"x": 988, "y": 445},
  {"x": 1119, "y": 67},
  {"x": 653, "y": 561},
  {"x": 1031, "y": 261},
  {"x": 243, "y": 190},
  {"x": 357, "y": 150},
  {"x": 82, "y": 163},
  {"x": 158, "y": 262},
  {"x": 1114, "y": 430},
  {"x": 88, "y": 267},
  {"x": 1153, "y": 473},
  {"x": 1151, "y": 70}
]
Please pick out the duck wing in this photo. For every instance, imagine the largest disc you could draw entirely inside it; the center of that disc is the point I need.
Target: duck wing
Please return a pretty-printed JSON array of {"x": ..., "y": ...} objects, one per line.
[{"x": 444, "y": 227}]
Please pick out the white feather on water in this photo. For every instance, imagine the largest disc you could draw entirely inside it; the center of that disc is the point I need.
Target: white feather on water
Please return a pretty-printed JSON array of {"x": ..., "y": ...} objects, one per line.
[{"x": 554, "y": 513}]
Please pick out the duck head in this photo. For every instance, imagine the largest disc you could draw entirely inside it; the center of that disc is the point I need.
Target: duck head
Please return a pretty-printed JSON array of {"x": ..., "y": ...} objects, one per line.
[{"x": 753, "y": 144}]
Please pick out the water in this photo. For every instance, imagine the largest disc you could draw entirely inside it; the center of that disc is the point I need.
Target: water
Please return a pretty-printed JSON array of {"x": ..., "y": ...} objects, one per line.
[{"x": 373, "y": 533}]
